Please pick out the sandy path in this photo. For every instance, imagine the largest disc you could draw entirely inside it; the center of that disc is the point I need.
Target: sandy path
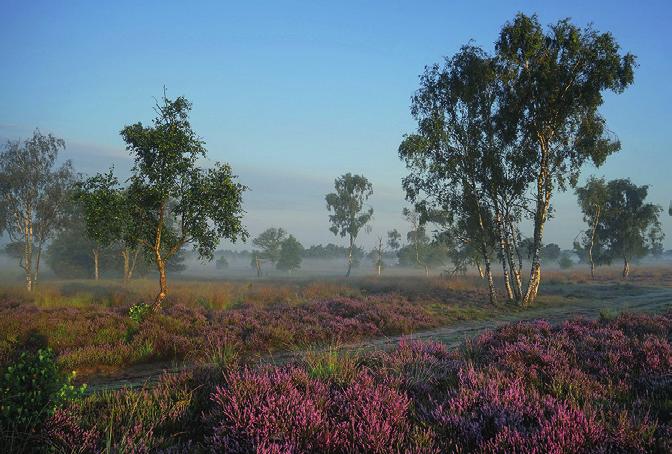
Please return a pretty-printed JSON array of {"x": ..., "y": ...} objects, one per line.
[{"x": 585, "y": 301}]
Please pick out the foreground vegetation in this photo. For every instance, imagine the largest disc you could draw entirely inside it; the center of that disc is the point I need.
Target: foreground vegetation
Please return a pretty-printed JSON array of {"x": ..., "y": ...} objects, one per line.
[{"x": 583, "y": 386}]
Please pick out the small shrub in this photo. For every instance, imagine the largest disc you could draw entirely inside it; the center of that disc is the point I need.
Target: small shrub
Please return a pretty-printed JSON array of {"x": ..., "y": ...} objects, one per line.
[
  {"x": 138, "y": 312},
  {"x": 565, "y": 262},
  {"x": 32, "y": 389},
  {"x": 340, "y": 367}
]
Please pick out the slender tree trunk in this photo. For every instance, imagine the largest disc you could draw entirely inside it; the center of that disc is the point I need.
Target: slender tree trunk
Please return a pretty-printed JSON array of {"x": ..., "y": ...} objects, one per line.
[
  {"x": 503, "y": 254},
  {"x": 543, "y": 203},
  {"x": 96, "y": 252},
  {"x": 160, "y": 263},
  {"x": 626, "y": 267},
  {"x": 486, "y": 259},
  {"x": 37, "y": 265},
  {"x": 491, "y": 282},
  {"x": 163, "y": 283},
  {"x": 125, "y": 255},
  {"x": 131, "y": 269},
  {"x": 516, "y": 268},
  {"x": 352, "y": 242},
  {"x": 592, "y": 242},
  {"x": 480, "y": 270},
  {"x": 28, "y": 251}
]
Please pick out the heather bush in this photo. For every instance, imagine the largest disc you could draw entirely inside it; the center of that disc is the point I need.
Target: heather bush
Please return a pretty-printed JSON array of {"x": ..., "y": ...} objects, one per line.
[
  {"x": 526, "y": 387},
  {"x": 285, "y": 410}
]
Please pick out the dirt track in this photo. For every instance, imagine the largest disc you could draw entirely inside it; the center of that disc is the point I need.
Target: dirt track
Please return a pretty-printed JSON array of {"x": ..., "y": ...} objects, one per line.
[{"x": 585, "y": 301}]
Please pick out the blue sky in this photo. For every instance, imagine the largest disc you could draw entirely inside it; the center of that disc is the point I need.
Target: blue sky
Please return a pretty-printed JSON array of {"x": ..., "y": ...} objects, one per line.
[{"x": 293, "y": 94}]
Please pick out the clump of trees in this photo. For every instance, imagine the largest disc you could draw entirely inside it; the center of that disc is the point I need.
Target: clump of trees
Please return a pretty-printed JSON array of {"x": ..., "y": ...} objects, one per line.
[
  {"x": 334, "y": 251},
  {"x": 349, "y": 213},
  {"x": 33, "y": 196},
  {"x": 622, "y": 225},
  {"x": 494, "y": 128},
  {"x": 269, "y": 243},
  {"x": 279, "y": 248},
  {"x": 105, "y": 208}
]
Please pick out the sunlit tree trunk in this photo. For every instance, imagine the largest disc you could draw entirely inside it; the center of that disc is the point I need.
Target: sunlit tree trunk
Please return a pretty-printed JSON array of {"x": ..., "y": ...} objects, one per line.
[
  {"x": 352, "y": 243},
  {"x": 160, "y": 263},
  {"x": 515, "y": 263},
  {"x": 541, "y": 214},
  {"x": 626, "y": 267},
  {"x": 503, "y": 254}
]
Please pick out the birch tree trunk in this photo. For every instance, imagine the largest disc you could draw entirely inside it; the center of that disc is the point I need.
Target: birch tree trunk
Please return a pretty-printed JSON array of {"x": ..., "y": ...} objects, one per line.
[
  {"x": 96, "y": 253},
  {"x": 592, "y": 242},
  {"x": 28, "y": 250},
  {"x": 543, "y": 203},
  {"x": 352, "y": 242}
]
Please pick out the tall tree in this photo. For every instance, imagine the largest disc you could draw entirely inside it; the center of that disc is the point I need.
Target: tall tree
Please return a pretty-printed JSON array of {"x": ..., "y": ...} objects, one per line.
[
  {"x": 448, "y": 153},
  {"x": 33, "y": 194},
  {"x": 554, "y": 82},
  {"x": 629, "y": 225},
  {"x": 291, "y": 255},
  {"x": 173, "y": 201},
  {"x": 592, "y": 198},
  {"x": 349, "y": 213}
]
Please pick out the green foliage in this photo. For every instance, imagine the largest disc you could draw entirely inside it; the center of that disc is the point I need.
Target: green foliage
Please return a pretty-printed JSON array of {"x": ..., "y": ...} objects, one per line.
[
  {"x": 33, "y": 195},
  {"x": 553, "y": 87},
  {"x": 349, "y": 214},
  {"x": 138, "y": 312},
  {"x": 291, "y": 254},
  {"x": 565, "y": 261},
  {"x": 205, "y": 203},
  {"x": 629, "y": 227},
  {"x": 347, "y": 203},
  {"x": 172, "y": 201},
  {"x": 104, "y": 208},
  {"x": 32, "y": 388},
  {"x": 332, "y": 251},
  {"x": 331, "y": 365},
  {"x": 551, "y": 252},
  {"x": 270, "y": 242},
  {"x": 393, "y": 240}
]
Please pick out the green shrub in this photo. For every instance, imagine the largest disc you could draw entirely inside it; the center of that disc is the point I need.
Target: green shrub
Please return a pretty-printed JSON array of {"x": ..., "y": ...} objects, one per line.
[
  {"x": 139, "y": 312},
  {"x": 565, "y": 262},
  {"x": 32, "y": 389}
]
